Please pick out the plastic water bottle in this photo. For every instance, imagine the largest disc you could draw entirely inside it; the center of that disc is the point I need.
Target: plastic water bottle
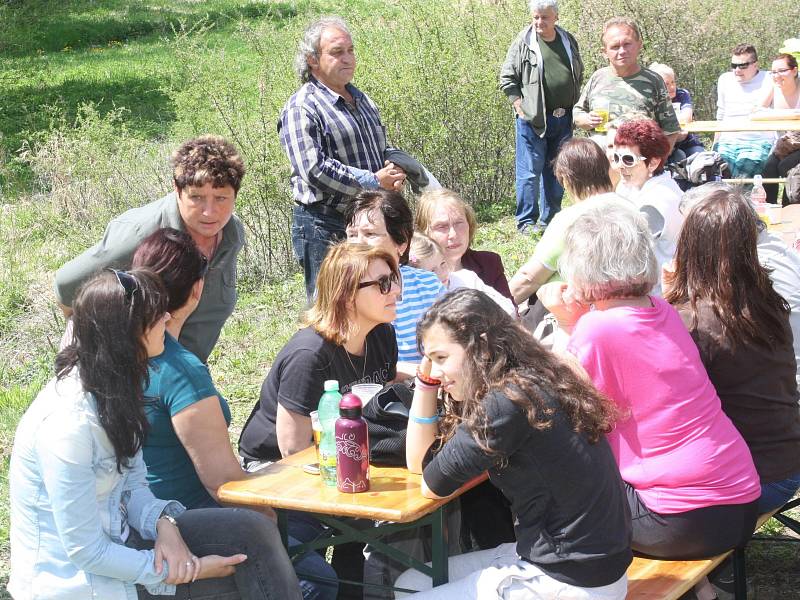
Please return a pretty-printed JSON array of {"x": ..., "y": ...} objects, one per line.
[
  {"x": 352, "y": 447},
  {"x": 328, "y": 411},
  {"x": 758, "y": 198}
]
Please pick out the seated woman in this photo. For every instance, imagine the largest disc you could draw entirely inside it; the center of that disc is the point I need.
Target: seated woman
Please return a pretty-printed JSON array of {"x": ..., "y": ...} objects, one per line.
[
  {"x": 581, "y": 168},
  {"x": 428, "y": 255},
  {"x": 513, "y": 408},
  {"x": 382, "y": 219},
  {"x": 741, "y": 327},
  {"x": 84, "y": 523},
  {"x": 686, "y": 144},
  {"x": 640, "y": 153},
  {"x": 187, "y": 449},
  {"x": 691, "y": 484},
  {"x": 784, "y": 94},
  {"x": 445, "y": 217}
]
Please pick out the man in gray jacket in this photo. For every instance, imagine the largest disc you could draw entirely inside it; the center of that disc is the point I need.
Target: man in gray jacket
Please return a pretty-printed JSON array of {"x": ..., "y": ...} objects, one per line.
[{"x": 542, "y": 77}]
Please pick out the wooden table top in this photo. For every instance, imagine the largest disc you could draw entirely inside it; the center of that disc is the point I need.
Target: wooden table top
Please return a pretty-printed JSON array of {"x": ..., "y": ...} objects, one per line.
[
  {"x": 743, "y": 124},
  {"x": 394, "y": 493}
]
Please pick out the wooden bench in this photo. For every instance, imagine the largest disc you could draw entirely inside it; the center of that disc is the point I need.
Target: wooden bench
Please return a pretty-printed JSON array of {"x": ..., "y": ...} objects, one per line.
[{"x": 651, "y": 579}]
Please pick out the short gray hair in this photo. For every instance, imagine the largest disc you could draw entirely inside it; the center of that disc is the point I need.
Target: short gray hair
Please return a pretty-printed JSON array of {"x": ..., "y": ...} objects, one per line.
[
  {"x": 662, "y": 69},
  {"x": 608, "y": 253},
  {"x": 309, "y": 44},
  {"x": 535, "y": 5}
]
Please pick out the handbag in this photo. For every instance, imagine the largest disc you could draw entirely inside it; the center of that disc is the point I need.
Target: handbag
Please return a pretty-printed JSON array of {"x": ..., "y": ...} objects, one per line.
[{"x": 387, "y": 420}]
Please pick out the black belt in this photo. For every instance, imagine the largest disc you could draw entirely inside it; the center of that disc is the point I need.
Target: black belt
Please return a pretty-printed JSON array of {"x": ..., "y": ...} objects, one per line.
[
  {"x": 323, "y": 209},
  {"x": 558, "y": 112}
]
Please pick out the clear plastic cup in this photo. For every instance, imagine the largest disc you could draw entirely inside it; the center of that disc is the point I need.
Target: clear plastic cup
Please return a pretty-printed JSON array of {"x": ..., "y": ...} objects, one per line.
[{"x": 366, "y": 391}]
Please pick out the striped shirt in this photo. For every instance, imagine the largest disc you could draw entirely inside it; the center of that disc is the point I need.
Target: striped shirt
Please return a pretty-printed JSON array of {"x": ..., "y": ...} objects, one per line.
[
  {"x": 420, "y": 290},
  {"x": 334, "y": 148}
]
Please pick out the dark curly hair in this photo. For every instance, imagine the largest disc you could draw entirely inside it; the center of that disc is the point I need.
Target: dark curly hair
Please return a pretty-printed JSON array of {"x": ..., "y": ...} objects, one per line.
[
  {"x": 109, "y": 322},
  {"x": 500, "y": 355},
  {"x": 647, "y": 135},
  {"x": 204, "y": 159}
]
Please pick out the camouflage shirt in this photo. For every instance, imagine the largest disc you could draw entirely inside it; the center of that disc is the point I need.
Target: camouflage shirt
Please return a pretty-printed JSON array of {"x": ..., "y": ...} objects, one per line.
[{"x": 642, "y": 95}]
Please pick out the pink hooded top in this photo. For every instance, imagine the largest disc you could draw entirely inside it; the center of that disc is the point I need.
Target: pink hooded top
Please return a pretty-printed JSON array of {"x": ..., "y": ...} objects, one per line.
[{"x": 673, "y": 444}]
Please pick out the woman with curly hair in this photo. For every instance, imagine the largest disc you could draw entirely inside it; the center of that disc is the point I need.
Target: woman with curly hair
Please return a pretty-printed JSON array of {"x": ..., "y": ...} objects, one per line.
[
  {"x": 515, "y": 409},
  {"x": 741, "y": 327}
]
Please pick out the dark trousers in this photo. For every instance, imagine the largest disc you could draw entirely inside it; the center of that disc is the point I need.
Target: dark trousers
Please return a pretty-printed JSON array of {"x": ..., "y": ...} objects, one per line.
[
  {"x": 266, "y": 574},
  {"x": 778, "y": 167},
  {"x": 690, "y": 535},
  {"x": 314, "y": 230},
  {"x": 486, "y": 519}
]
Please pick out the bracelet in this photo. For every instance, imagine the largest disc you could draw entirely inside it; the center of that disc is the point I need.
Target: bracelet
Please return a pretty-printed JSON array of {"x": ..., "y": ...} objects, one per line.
[
  {"x": 421, "y": 385},
  {"x": 169, "y": 518},
  {"x": 424, "y": 420},
  {"x": 427, "y": 379}
]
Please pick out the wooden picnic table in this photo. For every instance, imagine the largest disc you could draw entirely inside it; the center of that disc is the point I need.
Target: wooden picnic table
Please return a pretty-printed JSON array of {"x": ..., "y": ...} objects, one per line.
[
  {"x": 394, "y": 497},
  {"x": 743, "y": 124}
]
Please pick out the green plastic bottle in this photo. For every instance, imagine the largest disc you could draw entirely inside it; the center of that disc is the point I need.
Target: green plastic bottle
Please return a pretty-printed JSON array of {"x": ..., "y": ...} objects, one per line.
[{"x": 328, "y": 411}]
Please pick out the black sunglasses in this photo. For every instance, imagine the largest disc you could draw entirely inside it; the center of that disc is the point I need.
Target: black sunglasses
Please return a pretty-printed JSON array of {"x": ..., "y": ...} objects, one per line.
[
  {"x": 743, "y": 65},
  {"x": 384, "y": 283},
  {"x": 127, "y": 282}
]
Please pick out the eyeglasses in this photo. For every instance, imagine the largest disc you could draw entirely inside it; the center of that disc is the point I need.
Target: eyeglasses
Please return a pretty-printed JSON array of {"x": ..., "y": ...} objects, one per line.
[
  {"x": 743, "y": 65},
  {"x": 127, "y": 282},
  {"x": 779, "y": 71},
  {"x": 626, "y": 159},
  {"x": 384, "y": 283}
]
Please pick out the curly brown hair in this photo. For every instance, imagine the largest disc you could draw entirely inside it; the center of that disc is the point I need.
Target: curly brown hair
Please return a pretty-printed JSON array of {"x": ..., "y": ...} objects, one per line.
[
  {"x": 204, "y": 159},
  {"x": 501, "y": 356}
]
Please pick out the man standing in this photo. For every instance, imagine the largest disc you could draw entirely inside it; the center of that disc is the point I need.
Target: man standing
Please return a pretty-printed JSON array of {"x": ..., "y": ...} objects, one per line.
[
  {"x": 332, "y": 133},
  {"x": 624, "y": 88},
  {"x": 739, "y": 91},
  {"x": 541, "y": 76},
  {"x": 207, "y": 172}
]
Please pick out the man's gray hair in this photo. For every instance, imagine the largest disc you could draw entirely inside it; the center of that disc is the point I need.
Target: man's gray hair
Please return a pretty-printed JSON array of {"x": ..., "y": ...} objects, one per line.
[
  {"x": 608, "y": 253},
  {"x": 536, "y": 5},
  {"x": 309, "y": 44}
]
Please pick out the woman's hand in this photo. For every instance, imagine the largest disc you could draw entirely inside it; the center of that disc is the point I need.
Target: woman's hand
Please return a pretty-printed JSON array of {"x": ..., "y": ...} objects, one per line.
[
  {"x": 425, "y": 366},
  {"x": 212, "y": 566},
  {"x": 183, "y": 566},
  {"x": 557, "y": 298}
]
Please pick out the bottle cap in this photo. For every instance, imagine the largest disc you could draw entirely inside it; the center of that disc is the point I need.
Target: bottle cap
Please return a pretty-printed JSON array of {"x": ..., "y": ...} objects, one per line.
[
  {"x": 350, "y": 406},
  {"x": 331, "y": 385}
]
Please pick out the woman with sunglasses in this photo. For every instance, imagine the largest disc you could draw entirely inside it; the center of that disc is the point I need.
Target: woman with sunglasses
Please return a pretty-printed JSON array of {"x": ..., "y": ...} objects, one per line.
[
  {"x": 347, "y": 336},
  {"x": 187, "y": 449},
  {"x": 84, "y": 523},
  {"x": 784, "y": 94},
  {"x": 640, "y": 153}
]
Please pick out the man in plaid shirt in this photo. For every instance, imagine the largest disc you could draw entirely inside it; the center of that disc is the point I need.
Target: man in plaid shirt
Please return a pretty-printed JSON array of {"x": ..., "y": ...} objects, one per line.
[{"x": 333, "y": 135}]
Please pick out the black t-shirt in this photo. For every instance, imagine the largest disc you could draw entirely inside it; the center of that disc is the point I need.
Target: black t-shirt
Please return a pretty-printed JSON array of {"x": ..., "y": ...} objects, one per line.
[
  {"x": 573, "y": 520},
  {"x": 297, "y": 376}
]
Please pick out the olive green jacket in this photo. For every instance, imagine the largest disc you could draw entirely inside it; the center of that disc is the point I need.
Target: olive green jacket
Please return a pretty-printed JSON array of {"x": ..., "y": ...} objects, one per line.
[{"x": 521, "y": 74}]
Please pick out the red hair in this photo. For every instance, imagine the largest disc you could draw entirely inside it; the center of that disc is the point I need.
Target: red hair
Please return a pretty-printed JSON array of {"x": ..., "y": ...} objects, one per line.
[{"x": 647, "y": 135}]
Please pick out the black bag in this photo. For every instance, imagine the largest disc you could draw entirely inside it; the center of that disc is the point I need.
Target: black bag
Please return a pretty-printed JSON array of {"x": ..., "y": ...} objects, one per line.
[
  {"x": 387, "y": 420},
  {"x": 791, "y": 186}
]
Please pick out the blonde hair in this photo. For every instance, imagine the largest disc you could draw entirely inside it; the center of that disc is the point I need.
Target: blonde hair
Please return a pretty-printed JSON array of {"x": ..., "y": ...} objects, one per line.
[
  {"x": 345, "y": 265},
  {"x": 427, "y": 202},
  {"x": 423, "y": 247}
]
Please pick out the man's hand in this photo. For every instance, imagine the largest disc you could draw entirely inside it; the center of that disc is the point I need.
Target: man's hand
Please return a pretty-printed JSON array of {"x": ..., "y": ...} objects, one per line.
[
  {"x": 391, "y": 177},
  {"x": 588, "y": 120},
  {"x": 518, "y": 108}
]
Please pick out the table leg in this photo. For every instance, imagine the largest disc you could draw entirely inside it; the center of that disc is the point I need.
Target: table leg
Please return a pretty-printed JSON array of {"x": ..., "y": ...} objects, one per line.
[
  {"x": 439, "y": 547},
  {"x": 283, "y": 527}
]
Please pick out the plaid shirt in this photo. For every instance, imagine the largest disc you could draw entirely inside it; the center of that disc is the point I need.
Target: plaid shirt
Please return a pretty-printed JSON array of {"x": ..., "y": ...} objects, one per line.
[{"x": 334, "y": 148}]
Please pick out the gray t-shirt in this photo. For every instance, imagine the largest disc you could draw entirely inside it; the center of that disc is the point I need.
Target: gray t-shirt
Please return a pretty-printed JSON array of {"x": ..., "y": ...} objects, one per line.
[{"x": 124, "y": 233}]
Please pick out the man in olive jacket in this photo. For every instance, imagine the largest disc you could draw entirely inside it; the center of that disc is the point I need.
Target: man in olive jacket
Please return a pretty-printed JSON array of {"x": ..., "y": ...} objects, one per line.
[{"x": 542, "y": 77}]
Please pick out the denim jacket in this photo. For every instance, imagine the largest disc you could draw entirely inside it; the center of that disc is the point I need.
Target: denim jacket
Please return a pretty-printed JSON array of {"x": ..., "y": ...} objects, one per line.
[
  {"x": 71, "y": 508},
  {"x": 522, "y": 74}
]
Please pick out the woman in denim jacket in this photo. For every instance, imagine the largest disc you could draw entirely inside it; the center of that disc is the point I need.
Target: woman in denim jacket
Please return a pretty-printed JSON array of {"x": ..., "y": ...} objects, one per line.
[{"x": 81, "y": 511}]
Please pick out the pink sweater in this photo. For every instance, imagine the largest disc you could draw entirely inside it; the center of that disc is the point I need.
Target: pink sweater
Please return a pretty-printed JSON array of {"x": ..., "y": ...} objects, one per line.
[{"x": 674, "y": 444}]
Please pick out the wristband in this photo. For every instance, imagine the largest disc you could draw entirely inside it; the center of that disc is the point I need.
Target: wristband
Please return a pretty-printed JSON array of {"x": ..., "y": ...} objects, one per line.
[
  {"x": 428, "y": 380},
  {"x": 421, "y": 385},
  {"x": 424, "y": 420}
]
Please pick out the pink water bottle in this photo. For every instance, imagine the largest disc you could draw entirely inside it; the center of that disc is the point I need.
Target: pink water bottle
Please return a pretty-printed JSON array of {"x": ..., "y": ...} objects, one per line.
[{"x": 352, "y": 447}]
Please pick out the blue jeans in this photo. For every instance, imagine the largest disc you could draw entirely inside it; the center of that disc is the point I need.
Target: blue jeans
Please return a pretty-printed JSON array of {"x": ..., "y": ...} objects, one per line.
[
  {"x": 313, "y": 232},
  {"x": 538, "y": 192},
  {"x": 300, "y": 529},
  {"x": 776, "y": 494}
]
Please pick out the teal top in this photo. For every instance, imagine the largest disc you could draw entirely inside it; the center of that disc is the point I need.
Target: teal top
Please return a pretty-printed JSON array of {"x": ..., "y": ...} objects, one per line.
[{"x": 177, "y": 380}]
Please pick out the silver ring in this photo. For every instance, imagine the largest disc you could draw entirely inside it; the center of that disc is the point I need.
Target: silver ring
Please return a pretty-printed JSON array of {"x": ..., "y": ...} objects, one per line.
[{"x": 189, "y": 564}]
